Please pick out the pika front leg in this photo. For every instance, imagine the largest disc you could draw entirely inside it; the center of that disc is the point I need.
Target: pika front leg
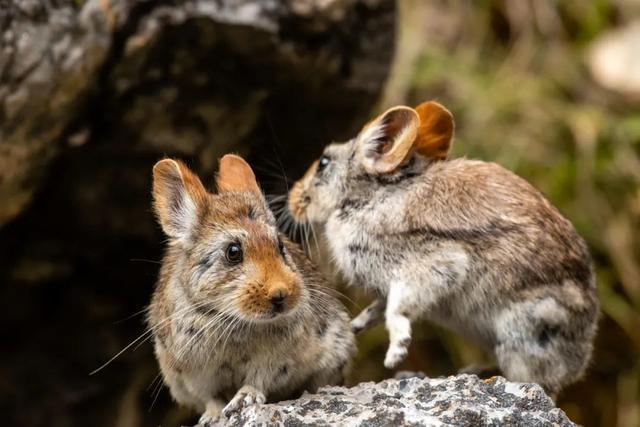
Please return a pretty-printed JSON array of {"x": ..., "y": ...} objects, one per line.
[
  {"x": 246, "y": 396},
  {"x": 211, "y": 413},
  {"x": 398, "y": 324},
  {"x": 369, "y": 317}
]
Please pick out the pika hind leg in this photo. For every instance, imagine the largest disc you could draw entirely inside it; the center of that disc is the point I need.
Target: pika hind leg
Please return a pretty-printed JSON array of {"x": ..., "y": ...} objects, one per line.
[
  {"x": 521, "y": 362},
  {"x": 398, "y": 323},
  {"x": 536, "y": 344}
]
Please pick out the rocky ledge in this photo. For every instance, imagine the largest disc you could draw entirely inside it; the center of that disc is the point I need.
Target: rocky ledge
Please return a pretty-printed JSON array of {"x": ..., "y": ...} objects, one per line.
[{"x": 463, "y": 400}]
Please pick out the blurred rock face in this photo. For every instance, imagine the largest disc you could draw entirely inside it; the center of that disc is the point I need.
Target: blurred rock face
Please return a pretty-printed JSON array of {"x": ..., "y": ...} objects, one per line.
[
  {"x": 92, "y": 93},
  {"x": 197, "y": 79}
]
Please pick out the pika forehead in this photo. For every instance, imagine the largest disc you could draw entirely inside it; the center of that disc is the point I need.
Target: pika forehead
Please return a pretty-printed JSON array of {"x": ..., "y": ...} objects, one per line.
[
  {"x": 232, "y": 205},
  {"x": 332, "y": 148},
  {"x": 229, "y": 208},
  {"x": 245, "y": 228},
  {"x": 259, "y": 234},
  {"x": 337, "y": 148},
  {"x": 234, "y": 217}
]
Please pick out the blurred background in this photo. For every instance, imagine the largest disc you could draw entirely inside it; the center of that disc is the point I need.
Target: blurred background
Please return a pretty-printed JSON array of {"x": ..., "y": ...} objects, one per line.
[{"x": 93, "y": 92}]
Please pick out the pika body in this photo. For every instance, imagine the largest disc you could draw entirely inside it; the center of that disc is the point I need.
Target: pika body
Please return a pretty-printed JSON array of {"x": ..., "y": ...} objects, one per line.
[
  {"x": 239, "y": 314},
  {"x": 466, "y": 244}
]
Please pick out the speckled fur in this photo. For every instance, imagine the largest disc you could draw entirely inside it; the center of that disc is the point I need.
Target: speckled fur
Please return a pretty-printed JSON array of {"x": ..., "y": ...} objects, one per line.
[
  {"x": 466, "y": 244},
  {"x": 216, "y": 337}
]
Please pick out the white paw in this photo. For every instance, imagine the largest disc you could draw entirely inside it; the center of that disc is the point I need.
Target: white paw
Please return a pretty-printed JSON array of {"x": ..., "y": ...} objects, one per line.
[
  {"x": 207, "y": 420},
  {"x": 395, "y": 354},
  {"x": 211, "y": 416},
  {"x": 359, "y": 324},
  {"x": 246, "y": 396}
]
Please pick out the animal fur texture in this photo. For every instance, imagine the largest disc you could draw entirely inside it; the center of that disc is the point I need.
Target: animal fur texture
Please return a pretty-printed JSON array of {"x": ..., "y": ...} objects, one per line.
[
  {"x": 463, "y": 243},
  {"x": 239, "y": 314}
]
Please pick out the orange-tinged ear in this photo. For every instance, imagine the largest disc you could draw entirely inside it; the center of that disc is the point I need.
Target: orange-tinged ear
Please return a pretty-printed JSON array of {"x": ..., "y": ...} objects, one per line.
[
  {"x": 178, "y": 195},
  {"x": 435, "y": 133},
  {"x": 387, "y": 140},
  {"x": 236, "y": 175}
]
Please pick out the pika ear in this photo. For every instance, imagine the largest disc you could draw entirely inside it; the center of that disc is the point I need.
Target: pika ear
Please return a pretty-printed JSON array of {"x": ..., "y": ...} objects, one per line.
[
  {"x": 387, "y": 140},
  {"x": 236, "y": 175},
  {"x": 435, "y": 133},
  {"x": 178, "y": 194}
]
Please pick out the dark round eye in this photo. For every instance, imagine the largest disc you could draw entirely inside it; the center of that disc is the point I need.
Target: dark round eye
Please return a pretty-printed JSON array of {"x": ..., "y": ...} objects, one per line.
[
  {"x": 323, "y": 162},
  {"x": 234, "y": 253}
]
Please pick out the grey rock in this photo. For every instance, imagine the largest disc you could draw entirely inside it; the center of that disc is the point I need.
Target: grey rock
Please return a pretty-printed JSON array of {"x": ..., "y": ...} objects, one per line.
[
  {"x": 193, "y": 78},
  {"x": 463, "y": 400},
  {"x": 92, "y": 94},
  {"x": 47, "y": 57}
]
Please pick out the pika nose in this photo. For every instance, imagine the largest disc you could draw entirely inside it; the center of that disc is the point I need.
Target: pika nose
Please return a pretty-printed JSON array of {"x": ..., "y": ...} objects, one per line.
[{"x": 278, "y": 298}]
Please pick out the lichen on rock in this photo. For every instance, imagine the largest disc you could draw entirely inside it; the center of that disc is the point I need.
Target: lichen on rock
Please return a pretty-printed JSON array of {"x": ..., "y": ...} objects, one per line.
[{"x": 463, "y": 400}]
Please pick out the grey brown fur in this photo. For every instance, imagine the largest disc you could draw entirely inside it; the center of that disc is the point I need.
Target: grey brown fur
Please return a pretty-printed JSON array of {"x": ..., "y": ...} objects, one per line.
[
  {"x": 218, "y": 339},
  {"x": 466, "y": 244}
]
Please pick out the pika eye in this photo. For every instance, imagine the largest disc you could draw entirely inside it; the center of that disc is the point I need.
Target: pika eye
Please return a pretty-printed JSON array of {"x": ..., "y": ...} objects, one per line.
[
  {"x": 233, "y": 254},
  {"x": 323, "y": 162}
]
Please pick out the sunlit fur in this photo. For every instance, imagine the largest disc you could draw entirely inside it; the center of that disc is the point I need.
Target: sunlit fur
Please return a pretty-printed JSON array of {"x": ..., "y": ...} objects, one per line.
[
  {"x": 464, "y": 243},
  {"x": 218, "y": 338},
  {"x": 315, "y": 196},
  {"x": 263, "y": 271}
]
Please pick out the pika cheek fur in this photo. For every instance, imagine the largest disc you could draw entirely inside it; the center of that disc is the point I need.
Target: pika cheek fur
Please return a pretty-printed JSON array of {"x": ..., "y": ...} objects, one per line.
[
  {"x": 239, "y": 314},
  {"x": 463, "y": 243}
]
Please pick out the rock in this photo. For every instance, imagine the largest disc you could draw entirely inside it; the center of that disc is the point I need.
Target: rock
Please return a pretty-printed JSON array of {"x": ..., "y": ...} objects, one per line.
[
  {"x": 463, "y": 400},
  {"x": 49, "y": 58},
  {"x": 195, "y": 78},
  {"x": 92, "y": 94}
]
